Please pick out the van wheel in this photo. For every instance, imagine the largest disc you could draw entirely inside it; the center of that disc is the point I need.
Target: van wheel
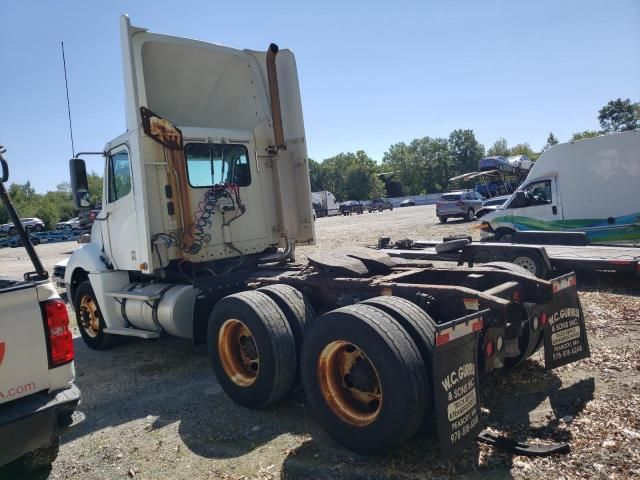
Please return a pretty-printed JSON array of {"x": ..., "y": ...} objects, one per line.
[
  {"x": 90, "y": 320},
  {"x": 503, "y": 235},
  {"x": 471, "y": 215},
  {"x": 37, "y": 459},
  {"x": 364, "y": 378},
  {"x": 252, "y": 349}
]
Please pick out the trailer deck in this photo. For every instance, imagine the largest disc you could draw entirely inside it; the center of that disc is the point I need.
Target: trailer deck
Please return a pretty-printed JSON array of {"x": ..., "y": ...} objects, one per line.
[{"x": 560, "y": 257}]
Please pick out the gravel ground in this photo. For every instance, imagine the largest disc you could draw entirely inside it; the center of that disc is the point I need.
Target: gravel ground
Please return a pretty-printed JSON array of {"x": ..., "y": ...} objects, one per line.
[{"x": 154, "y": 409}]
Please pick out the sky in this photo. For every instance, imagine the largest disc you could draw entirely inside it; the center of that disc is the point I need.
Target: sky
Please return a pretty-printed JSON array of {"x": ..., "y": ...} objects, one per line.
[{"x": 371, "y": 73}]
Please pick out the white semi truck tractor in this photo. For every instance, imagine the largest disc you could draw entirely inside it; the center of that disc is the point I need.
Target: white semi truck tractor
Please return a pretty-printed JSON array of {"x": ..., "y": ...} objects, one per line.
[{"x": 205, "y": 198}]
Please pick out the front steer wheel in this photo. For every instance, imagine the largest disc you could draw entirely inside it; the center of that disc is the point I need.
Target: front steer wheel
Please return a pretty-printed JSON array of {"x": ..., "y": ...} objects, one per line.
[
  {"x": 364, "y": 378},
  {"x": 90, "y": 320},
  {"x": 252, "y": 349}
]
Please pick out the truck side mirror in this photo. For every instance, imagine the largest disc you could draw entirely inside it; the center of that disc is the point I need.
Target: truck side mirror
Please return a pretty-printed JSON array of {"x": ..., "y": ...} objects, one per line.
[{"x": 79, "y": 183}]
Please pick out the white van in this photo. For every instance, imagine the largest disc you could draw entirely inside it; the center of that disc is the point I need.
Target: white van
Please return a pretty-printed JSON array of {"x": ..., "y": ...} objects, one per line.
[{"x": 589, "y": 186}]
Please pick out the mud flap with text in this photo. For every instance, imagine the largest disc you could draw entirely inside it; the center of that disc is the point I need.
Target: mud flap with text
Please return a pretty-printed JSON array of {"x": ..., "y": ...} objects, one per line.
[
  {"x": 565, "y": 336},
  {"x": 455, "y": 383}
]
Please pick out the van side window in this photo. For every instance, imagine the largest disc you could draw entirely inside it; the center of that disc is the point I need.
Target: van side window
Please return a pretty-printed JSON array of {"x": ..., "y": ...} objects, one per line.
[
  {"x": 119, "y": 175},
  {"x": 539, "y": 193}
]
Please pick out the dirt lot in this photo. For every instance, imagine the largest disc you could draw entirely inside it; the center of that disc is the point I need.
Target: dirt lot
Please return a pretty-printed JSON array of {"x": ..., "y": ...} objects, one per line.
[{"x": 154, "y": 409}]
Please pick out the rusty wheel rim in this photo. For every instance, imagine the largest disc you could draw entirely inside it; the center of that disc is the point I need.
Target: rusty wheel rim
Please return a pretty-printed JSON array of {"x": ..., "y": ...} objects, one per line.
[
  {"x": 238, "y": 352},
  {"x": 89, "y": 317},
  {"x": 349, "y": 383}
]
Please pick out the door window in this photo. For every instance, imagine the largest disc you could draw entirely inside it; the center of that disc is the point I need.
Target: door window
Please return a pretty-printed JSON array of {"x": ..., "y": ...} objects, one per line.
[
  {"x": 538, "y": 193},
  {"x": 119, "y": 175}
]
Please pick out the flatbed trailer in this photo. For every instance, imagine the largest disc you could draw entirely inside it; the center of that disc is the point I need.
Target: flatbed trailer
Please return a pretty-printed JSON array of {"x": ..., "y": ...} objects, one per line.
[{"x": 540, "y": 259}]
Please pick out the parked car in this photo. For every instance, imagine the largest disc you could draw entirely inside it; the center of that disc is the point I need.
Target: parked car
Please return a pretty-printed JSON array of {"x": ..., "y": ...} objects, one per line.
[
  {"x": 351, "y": 206},
  {"x": 30, "y": 224},
  {"x": 460, "y": 204},
  {"x": 17, "y": 241},
  {"x": 408, "y": 202},
  {"x": 491, "y": 205},
  {"x": 379, "y": 205},
  {"x": 72, "y": 224},
  {"x": 85, "y": 219}
]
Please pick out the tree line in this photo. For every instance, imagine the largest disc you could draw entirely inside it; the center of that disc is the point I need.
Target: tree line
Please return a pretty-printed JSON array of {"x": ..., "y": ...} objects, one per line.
[{"x": 425, "y": 165}]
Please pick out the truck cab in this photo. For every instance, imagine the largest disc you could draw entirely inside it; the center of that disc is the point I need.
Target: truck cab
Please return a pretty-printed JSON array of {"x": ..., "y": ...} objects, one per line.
[{"x": 210, "y": 177}]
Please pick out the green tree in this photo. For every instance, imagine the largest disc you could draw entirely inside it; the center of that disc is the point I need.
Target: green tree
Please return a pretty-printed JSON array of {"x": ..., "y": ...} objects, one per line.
[
  {"x": 523, "y": 149},
  {"x": 584, "y": 134},
  {"x": 465, "y": 150},
  {"x": 619, "y": 115},
  {"x": 551, "y": 141},
  {"x": 499, "y": 148}
]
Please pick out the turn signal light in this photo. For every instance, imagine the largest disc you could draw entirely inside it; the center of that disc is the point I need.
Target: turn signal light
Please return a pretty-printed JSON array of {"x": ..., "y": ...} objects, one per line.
[
  {"x": 60, "y": 340},
  {"x": 488, "y": 349}
]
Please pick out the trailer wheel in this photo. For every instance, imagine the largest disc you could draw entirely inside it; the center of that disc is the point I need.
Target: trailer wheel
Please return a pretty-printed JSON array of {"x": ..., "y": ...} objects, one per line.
[
  {"x": 364, "y": 378},
  {"x": 252, "y": 349},
  {"x": 90, "y": 320},
  {"x": 529, "y": 261},
  {"x": 531, "y": 338},
  {"x": 297, "y": 310}
]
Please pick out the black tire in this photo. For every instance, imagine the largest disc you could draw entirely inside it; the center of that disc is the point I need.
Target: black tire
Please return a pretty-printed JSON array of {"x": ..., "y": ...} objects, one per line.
[
  {"x": 419, "y": 325},
  {"x": 395, "y": 360},
  {"x": 28, "y": 228},
  {"x": 471, "y": 215},
  {"x": 38, "y": 228},
  {"x": 442, "y": 219},
  {"x": 95, "y": 340},
  {"x": 297, "y": 310},
  {"x": 273, "y": 341},
  {"x": 452, "y": 246},
  {"x": 530, "y": 340},
  {"x": 35, "y": 241},
  {"x": 503, "y": 235},
  {"x": 37, "y": 459},
  {"x": 391, "y": 208},
  {"x": 530, "y": 261},
  {"x": 13, "y": 231},
  {"x": 457, "y": 237}
]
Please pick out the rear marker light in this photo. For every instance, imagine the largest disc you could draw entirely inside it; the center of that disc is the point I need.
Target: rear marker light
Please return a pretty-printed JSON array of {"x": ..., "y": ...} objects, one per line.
[
  {"x": 543, "y": 319},
  {"x": 488, "y": 349},
  {"x": 59, "y": 336}
]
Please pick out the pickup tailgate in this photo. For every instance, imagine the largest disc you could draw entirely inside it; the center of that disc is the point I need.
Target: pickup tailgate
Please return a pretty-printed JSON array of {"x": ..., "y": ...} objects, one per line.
[{"x": 24, "y": 366}]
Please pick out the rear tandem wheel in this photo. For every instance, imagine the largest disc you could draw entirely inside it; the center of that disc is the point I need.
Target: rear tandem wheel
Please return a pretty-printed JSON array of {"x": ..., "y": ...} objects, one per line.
[{"x": 364, "y": 378}]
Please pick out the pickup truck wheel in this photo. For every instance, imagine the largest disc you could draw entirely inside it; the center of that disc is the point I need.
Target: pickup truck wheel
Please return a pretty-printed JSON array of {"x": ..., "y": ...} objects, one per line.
[
  {"x": 364, "y": 378},
  {"x": 297, "y": 310},
  {"x": 37, "y": 459},
  {"x": 90, "y": 320},
  {"x": 252, "y": 349}
]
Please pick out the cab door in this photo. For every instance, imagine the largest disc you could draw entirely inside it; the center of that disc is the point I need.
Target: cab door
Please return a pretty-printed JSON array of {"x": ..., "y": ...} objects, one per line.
[
  {"x": 540, "y": 209},
  {"x": 119, "y": 211}
]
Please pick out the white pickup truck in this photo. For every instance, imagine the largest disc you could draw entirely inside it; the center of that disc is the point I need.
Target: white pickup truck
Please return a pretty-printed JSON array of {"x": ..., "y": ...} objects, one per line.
[{"x": 38, "y": 398}]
